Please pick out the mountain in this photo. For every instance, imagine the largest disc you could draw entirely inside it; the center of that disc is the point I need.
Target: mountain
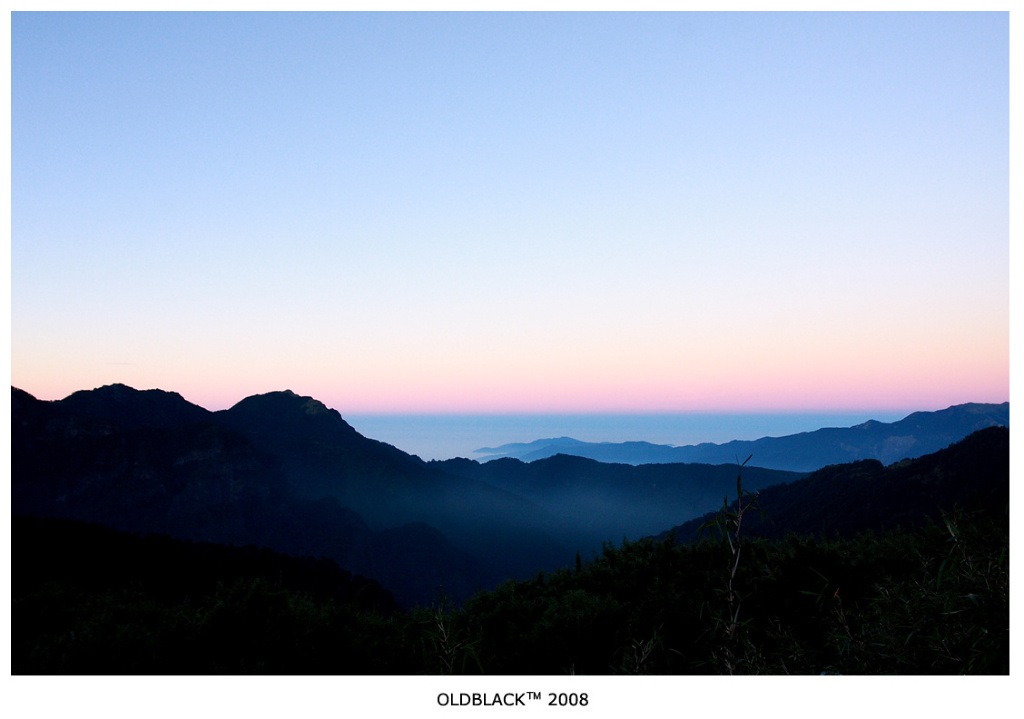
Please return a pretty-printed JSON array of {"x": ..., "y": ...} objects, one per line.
[
  {"x": 284, "y": 471},
  {"x": 323, "y": 456},
  {"x": 599, "y": 501},
  {"x": 276, "y": 470},
  {"x": 133, "y": 408},
  {"x": 928, "y": 593},
  {"x": 917, "y": 434},
  {"x": 844, "y": 500},
  {"x": 195, "y": 478}
]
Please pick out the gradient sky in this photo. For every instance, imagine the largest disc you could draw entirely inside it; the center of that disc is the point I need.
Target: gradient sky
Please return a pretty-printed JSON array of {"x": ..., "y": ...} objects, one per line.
[{"x": 514, "y": 213}]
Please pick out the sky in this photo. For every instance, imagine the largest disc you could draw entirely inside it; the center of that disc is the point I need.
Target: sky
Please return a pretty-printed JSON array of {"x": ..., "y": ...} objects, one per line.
[{"x": 500, "y": 213}]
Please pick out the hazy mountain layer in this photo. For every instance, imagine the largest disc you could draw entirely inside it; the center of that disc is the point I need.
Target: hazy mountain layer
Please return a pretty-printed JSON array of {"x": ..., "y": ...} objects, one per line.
[
  {"x": 599, "y": 501},
  {"x": 913, "y": 436}
]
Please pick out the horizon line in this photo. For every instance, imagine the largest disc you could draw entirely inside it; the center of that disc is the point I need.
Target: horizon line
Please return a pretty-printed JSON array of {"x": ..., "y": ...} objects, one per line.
[{"x": 539, "y": 412}]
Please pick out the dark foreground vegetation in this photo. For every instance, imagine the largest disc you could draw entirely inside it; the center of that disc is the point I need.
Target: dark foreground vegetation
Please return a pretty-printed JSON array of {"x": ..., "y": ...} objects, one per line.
[{"x": 933, "y": 599}]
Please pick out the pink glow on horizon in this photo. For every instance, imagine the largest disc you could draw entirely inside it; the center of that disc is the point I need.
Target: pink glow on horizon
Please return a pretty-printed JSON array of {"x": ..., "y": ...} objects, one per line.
[
  {"x": 538, "y": 397},
  {"x": 771, "y": 387},
  {"x": 838, "y": 374}
]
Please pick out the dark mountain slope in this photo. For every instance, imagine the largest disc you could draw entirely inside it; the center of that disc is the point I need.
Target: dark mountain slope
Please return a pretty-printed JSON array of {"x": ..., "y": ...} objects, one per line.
[
  {"x": 276, "y": 469},
  {"x": 197, "y": 480},
  {"x": 323, "y": 456},
  {"x": 203, "y": 482},
  {"x": 913, "y": 436},
  {"x": 322, "y": 453},
  {"x": 842, "y": 500}
]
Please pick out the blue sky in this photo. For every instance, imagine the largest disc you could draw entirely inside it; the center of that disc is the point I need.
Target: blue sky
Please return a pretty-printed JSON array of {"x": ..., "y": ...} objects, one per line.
[{"x": 542, "y": 212}]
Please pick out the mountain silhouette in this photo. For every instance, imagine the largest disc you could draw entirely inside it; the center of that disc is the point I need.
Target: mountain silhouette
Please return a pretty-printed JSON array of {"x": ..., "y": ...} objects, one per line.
[
  {"x": 130, "y": 407},
  {"x": 276, "y": 470},
  {"x": 323, "y": 456}
]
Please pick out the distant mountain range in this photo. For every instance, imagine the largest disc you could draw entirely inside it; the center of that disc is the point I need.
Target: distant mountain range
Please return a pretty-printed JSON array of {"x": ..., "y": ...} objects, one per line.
[{"x": 917, "y": 434}]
